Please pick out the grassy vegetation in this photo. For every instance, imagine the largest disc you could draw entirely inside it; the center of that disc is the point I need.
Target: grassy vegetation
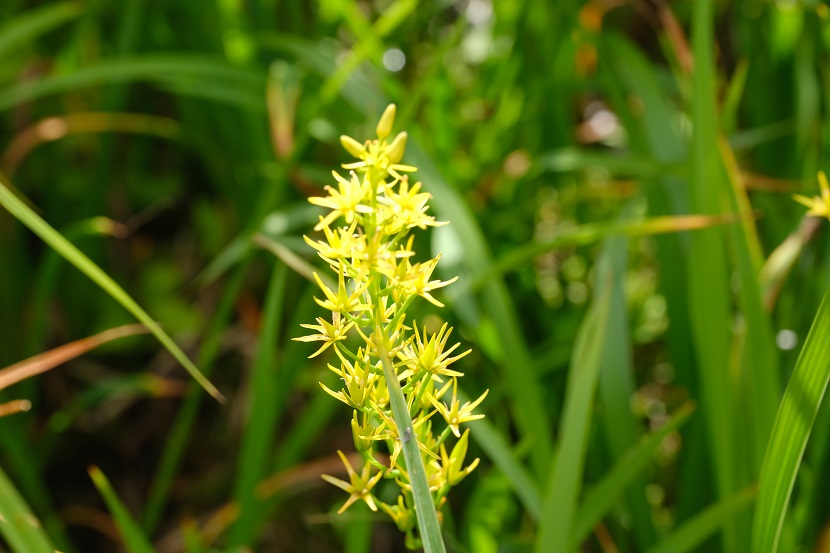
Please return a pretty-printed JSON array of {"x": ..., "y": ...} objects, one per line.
[{"x": 644, "y": 300}]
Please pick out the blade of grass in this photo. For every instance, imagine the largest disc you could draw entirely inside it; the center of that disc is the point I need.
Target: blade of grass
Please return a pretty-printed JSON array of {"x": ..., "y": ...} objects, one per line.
[
  {"x": 57, "y": 356},
  {"x": 18, "y": 525},
  {"x": 601, "y": 497},
  {"x": 28, "y": 27},
  {"x": 180, "y": 428},
  {"x": 72, "y": 254},
  {"x": 698, "y": 529},
  {"x": 590, "y": 233},
  {"x": 497, "y": 449},
  {"x": 560, "y": 501},
  {"x": 620, "y": 427},
  {"x": 575, "y": 159},
  {"x": 259, "y": 429},
  {"x": 245, "y": 86},
  {"x": 46, "y": 275},
  {"x": 134, "y": 539},
  {"x": 709, "y": 286},
  {"x": 793, "y": 423},
  {"x": 760, "y": 383}
]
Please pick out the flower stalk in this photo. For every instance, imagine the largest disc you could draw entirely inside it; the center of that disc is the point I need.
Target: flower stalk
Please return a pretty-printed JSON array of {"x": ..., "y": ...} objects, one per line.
[{"x": 396, "y": 377}]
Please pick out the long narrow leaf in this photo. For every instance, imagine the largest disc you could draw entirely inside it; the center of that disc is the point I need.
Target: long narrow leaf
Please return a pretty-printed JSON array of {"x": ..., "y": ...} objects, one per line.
[
  {"x": 704, "y": 525},
  {"x": 566, "y": 475},
  {"x": 54, "y": 357},
  {"x": 190, "y": 74},
  {"x": 791, "y": 431},
  {"x": 134, "y": 539},
  {"x": 84, "y": 264},
  {"x": 602, "y": 496},
  {"x": 18, "y": 525},
  {"x": 34, "y": 23}
]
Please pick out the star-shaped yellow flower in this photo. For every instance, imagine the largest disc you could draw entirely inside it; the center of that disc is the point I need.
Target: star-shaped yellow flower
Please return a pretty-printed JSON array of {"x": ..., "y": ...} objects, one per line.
[
  {"x": 359, "y": 486},
  {"x": 345, "y": 200},
  {"x": 456, "y": 414},
  {"x": 327, "y": 333},
  {"x": 427, "y": 354},
  {"x": 819, "y": 205},
  {"x": 342, "y": 301}
]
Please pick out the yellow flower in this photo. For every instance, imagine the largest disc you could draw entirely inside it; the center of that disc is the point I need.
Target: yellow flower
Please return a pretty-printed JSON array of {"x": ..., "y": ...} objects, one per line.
[
  {"x": 453, "y": 464},
  {"x": 359, "y": 379},
  {"x": 342, "y": 243},
  {"x": 406, "y": 209},
  {"x": 346, "y": 200},
  {"x": 392, "y": 377},
  {"x": 327, "y": 333},
  {"x": 341, "y": 302},
  {"x": 429, "y": 355},
  {"x": 455, "y": 414},
  {"x": 819, "y": 206},
  {"x": 359, "y": 485},
  {"x": 376, "y": 156},
  {"x": 403, "y": 516},
  {"x": 418, "y": 283}
]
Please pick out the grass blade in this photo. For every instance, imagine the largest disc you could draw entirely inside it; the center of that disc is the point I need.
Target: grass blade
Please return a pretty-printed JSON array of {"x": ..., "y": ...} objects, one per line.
[
  {"x": 54, "y": 357},
  {"x": 257, "y": 441},
  {"x": 793, "y": 423},
  {"x": 17, "y": 523},
  {"x": 603, "y": 495},
  {"x": 191, "y": 75},
  {"x": 620, "y": 427},
  {"x": 530, "y": 412},
  {"x": 77, "y": 258},
  {"x": 566, "y": 475},
  {"x": 710, "y": 302},
  {"x": 701, "y": 527},
  {"x": 134, "y": 539},
  {"x": 589, "y": 233},
  {"x": 37, "y": 22}
]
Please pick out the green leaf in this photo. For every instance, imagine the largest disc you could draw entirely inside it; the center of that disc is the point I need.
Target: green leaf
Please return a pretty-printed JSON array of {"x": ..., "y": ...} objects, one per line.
[
  {"x": 68, "y": 251},
  {"x": 199, "y": 76},
  {"x": 590, "y": 233},
  {"x": 793, "y": 423},
  {"x": 18, "y": 525},
  {"x": 705, "y": 524},
  {"x": 134, "y": 539},
  {"x": 600, "y": 499},
  {"x": 259, "y": 429},
  {"x": 560, "y": 501},
  {"x": 28, "y": 27}
]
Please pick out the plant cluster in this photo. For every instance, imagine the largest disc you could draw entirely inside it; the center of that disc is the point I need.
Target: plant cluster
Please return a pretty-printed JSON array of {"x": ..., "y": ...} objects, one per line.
[{"x": 371, "y": 252}]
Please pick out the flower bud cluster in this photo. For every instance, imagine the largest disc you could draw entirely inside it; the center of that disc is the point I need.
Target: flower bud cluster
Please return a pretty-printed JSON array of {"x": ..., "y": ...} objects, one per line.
[{"x": 367, "y": 245}]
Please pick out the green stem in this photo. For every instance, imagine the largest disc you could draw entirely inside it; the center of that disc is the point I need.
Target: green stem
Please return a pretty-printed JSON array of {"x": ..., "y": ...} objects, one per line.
[
  {"x": 427, "y": 517},
  {"x": 424, "y": 381}
]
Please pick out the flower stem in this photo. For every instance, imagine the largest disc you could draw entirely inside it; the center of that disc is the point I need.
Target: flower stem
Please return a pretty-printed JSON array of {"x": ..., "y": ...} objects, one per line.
[{"x": 427, "y": 517}]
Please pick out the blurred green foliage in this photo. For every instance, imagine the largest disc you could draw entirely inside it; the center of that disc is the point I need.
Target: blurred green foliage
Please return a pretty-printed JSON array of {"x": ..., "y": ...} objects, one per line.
[{"x": 636, "y": 282}]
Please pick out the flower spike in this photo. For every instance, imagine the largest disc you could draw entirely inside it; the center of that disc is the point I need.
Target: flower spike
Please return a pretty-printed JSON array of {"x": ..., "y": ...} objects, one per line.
[{"x": 390, "y": 379}]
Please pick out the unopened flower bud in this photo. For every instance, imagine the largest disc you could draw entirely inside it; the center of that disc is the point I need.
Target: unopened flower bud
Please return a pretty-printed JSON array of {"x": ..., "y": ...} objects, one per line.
[
  {"x": 385, "y": 123},
  {"x": 396, "y": 149},
  {"x": 352, "y": 146}
]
